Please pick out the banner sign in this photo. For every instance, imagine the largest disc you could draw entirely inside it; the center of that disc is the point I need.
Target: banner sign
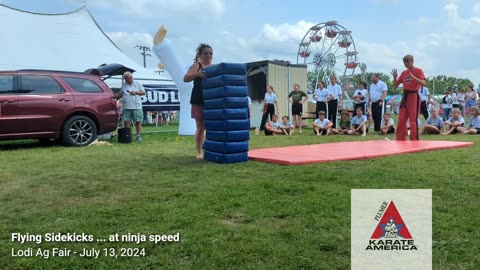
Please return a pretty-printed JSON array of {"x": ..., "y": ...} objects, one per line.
[{"x": 160, "y": 97}]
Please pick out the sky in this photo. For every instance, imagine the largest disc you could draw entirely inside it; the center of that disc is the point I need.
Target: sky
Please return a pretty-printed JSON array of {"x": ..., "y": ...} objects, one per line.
[{"x": 443, "y": 35}]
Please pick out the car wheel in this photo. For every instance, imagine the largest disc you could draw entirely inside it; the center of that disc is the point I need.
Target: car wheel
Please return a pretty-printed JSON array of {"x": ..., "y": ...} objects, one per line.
[{"x": 79, "y": 131}]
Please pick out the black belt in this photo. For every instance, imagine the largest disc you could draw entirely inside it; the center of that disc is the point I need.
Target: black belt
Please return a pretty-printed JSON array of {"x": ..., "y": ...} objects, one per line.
[{"x": 403, "y": 102}]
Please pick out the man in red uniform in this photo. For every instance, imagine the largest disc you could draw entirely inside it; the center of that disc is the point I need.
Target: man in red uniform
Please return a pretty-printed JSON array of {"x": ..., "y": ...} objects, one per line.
[{"x": 413, "y": 79}]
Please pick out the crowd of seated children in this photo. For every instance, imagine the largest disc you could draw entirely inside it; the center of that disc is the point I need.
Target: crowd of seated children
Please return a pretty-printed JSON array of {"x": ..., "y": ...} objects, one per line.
[
  {"x": 273, "y": 127},
  {"x": 286, "y": 127},
  {"x": 359, "y": 124},
  {"x": 473, "y": 122},
  {"x": 455, "y": 123},
  {"x": 433, "y": 124},
  {"x": 322, "y": 126},
  {"x": 344, "y": 125},
  {"x": 387, "y": 124}
]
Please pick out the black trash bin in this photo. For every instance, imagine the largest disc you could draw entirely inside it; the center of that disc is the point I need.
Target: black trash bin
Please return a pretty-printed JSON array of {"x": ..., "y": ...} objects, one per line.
[{"x": 124, "y": 135}]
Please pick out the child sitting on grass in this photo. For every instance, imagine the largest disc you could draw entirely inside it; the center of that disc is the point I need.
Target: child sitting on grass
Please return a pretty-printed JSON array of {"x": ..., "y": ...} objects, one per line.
[
  {"x": 455, "y": 123},
  {"x": 273, "y": 127},
  {"x": 386, "y": 126},
  {"x": 322, "y": 126},
  {"x": 474, "y": 122},
  {"x": 359, "y": 124},
  {"x": 286, "y": 127},
  {"x": 344, "y": 124},
  {"x": 434, "y": 123}
]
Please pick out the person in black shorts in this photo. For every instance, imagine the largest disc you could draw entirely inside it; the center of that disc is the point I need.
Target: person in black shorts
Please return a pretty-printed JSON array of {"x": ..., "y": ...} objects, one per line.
[
  {"x": 295, "y": 97},
  {"x": 195, "y": 73}
]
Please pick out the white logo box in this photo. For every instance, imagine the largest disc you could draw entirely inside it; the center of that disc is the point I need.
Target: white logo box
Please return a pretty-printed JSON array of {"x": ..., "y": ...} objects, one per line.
[{"x": 415, "y": 208}]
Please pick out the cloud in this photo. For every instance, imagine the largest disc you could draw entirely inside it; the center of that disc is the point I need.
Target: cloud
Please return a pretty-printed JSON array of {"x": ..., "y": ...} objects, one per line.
[
  {"x": 452, "y": 49},
  {"x": 126, "y": 42},
  {"x": 476, "y": 7},
  {"x": 378, "y": 57},
  {"x": 285, "y": 32}
]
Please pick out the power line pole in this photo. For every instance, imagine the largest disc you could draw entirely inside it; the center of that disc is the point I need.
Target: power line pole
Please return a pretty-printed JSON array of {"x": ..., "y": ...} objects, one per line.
[{"x": 144, "y": 53}]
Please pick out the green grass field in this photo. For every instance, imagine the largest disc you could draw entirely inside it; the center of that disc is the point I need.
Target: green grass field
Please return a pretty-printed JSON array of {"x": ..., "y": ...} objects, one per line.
[{"x": 240, "y": 216}]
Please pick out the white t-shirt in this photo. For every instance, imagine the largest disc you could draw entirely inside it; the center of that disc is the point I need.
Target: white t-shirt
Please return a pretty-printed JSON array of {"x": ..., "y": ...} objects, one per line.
[
  {"x": 362, "y": 92},
  {"x": 131, "y": 102},
  {"x": 376, "y": 90},
  {"x": 322, "y": 94},
  {"x": 474, "y": 122},
  {"x": 322, "y": 123},
  {"x": 336, "y": 90},
  {"x": 455, "y": 98},
  {"x": 424, "y": 93},
  {"x": 357, "y": 120},
  {"x": 271, "y": 98},
  {"x": 449, "y": 101}
]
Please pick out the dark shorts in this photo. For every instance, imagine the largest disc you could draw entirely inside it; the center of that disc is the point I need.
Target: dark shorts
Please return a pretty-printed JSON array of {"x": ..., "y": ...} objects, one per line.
[
  {"x": 478, "y": 130},
  {"x": 322, "y": 132},
  {"x": 297, "y": 109},
  {"x": 356, "y": 126},
  {"x": 197, "y": 112},
  {"x": 391, "y": 130}
]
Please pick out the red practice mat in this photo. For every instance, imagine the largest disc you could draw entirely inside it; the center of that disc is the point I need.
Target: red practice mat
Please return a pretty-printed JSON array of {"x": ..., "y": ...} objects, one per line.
[{"x": 316, "y": 153}]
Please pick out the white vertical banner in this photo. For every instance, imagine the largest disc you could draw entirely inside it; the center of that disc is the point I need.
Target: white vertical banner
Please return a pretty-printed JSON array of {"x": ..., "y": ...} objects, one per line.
[{"x": 391, "y": 229}]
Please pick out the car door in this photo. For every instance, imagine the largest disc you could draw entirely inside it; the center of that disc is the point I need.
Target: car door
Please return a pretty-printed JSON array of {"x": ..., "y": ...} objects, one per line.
[
  {"x": 42, "y": 104},
  {"x": 8, "y": 104}
]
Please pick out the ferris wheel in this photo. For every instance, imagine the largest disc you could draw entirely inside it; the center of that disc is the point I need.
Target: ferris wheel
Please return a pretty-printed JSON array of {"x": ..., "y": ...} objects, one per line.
[{"x": 328, "y": 49}]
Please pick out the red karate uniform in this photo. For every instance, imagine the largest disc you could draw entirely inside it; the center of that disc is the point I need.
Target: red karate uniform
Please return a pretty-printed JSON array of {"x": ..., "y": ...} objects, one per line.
[{"x": 410, "y": 105}]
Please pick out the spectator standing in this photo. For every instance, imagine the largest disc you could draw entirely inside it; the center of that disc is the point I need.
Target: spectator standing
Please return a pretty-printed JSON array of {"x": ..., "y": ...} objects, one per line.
[
  {"x": 447, "y": 102},
  {"x": 378, "y": 92},
  {"x": 470, "y": 98},
  {"x": 360, "y": 97},
  {"x": 456, "y": 101},
  {"x": 336, "y": 102},
  {"x": 322, "y": 96},
  {"x": 131, "y": 93},
  {"x": 270, "y": 102},
  {"x": 295, "y": 97},
  {"x": 425, "y": 100}
]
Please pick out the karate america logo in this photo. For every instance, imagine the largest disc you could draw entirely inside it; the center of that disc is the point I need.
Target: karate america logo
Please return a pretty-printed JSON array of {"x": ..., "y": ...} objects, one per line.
[{"x": 391, "y": 232}]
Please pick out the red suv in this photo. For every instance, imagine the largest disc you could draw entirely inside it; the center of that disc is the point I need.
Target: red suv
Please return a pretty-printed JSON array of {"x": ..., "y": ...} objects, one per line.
[{"x": 72, "y": 107}]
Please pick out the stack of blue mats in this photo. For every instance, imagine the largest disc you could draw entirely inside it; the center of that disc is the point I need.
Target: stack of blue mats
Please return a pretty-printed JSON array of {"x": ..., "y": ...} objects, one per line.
[{"x": 226, "y": 113}]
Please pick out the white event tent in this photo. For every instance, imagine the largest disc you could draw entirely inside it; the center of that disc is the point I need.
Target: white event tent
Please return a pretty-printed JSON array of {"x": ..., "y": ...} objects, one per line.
[{"x": 70, "y": 41}]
